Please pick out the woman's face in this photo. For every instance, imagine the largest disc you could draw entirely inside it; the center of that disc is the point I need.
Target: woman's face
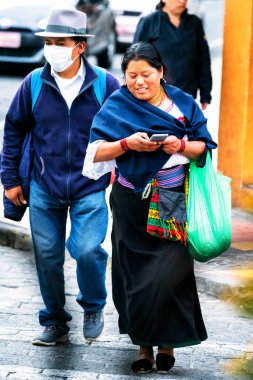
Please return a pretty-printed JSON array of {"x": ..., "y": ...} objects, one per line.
[
  {"x": 143, "y": 80},
  {"x": 175, "y": 7}
]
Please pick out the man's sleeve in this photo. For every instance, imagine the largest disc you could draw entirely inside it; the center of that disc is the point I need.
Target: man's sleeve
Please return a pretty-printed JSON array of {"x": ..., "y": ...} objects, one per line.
[
  {"x": 139, "y": 33},
  {"x": 18, "y": 121},
  {"x": 205, "y": 75}
]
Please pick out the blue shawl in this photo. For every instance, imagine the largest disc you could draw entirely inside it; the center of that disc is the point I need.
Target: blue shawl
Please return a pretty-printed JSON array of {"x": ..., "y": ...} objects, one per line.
[{"x": 122, "y": 115}]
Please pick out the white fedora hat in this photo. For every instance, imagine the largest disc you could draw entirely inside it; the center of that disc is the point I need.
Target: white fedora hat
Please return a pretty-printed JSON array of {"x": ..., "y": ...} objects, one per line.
[{"x": 65, "y": 23}]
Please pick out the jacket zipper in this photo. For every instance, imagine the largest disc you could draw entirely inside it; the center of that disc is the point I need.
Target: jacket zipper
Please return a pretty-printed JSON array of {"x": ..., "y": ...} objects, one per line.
[
  {"x": 42, "y": 166},
  {"x": 68, "y": 153}
]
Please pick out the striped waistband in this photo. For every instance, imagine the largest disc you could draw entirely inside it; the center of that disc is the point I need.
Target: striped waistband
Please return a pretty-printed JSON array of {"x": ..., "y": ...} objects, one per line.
[
  {"x": 166, "y": 178},
  {"x": 171, "y": 177}
]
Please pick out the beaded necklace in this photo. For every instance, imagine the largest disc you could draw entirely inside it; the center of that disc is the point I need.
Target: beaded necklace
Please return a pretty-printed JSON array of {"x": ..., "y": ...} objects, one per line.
[{"x": 157, "y": 102}]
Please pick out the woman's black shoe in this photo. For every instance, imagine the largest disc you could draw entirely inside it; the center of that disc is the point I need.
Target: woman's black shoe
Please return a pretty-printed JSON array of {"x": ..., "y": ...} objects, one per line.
[
  {"x": 164, "y": 362},
  {"x": 142, "y": 366}
]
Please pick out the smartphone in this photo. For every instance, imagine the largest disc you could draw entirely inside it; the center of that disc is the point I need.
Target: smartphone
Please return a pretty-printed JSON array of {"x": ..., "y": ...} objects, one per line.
[{"x": 159, "y": 137}]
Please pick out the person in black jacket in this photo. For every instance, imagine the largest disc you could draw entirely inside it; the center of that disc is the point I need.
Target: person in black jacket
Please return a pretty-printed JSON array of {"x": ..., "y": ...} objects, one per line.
[{"x": 181, "y": 41}]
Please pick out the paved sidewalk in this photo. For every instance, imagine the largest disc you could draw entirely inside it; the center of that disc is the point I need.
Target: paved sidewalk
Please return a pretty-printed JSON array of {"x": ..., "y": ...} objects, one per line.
[{"x": 110, "y": 356}]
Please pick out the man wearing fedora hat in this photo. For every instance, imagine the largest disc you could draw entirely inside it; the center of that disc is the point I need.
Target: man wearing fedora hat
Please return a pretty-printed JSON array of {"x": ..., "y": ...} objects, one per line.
[{"x": 60, "y": 123}]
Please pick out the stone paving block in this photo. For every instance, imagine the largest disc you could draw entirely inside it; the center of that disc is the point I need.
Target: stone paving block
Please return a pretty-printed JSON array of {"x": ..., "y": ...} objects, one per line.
[
  {"x": 9, "y": 303},
  {"x": 19, "y": 372},
  {"x": 79, "y": 375},
  {"x": 31, "y": 307}
]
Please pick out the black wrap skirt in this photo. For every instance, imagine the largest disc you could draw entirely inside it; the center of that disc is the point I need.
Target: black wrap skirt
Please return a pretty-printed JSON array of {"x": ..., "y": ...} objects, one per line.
[{"x": 154, "y": 287}]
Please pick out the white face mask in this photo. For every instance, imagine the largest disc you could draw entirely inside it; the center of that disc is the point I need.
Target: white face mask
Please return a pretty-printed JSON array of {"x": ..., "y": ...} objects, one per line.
[{"x": 59, "y": 57}]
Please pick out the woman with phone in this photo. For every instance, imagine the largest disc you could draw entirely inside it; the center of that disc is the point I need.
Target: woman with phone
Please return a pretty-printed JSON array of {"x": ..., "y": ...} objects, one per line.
[{"x": 154, "y": 288}]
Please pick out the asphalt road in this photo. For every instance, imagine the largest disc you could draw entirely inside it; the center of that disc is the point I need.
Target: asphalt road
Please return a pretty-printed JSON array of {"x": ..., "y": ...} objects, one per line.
[{"x": 11, "y": 77}]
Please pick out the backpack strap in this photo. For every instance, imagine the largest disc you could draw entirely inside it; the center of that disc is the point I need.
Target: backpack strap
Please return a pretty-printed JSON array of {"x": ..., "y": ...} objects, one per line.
[
  {"x": 36, "y": 84},
  {"x": 100, "y": 84}
]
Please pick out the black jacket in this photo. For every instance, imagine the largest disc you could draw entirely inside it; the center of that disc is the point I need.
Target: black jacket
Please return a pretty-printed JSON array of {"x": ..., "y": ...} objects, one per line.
[{"x": 184, "y": 51}]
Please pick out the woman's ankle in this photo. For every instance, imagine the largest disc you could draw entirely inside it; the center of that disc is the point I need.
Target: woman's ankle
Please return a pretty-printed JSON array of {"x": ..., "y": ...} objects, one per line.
[
  {"x": 167, "y": 351},
  {"x": 146, "y": 352},
  {"x": 145, "y": 361}
]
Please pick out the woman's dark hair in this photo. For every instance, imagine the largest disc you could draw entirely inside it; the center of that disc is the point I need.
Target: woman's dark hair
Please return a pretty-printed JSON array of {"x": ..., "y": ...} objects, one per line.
[
  {"x": 142, "y": 51},
  {"x": 160, "y": 5}
]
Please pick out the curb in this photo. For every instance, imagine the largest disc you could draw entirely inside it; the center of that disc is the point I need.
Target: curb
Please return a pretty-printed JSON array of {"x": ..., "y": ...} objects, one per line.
[
  {"x": 15, "y": 237},
  {"x": 215, "y": 289}
]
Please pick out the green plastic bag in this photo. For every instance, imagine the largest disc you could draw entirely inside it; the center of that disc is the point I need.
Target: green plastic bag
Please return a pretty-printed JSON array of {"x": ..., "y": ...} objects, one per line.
[{"x": 209, "y": 212}]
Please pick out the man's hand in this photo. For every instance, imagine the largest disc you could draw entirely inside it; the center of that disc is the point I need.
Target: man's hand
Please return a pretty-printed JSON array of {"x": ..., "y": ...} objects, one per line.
[
  {"x": 204, "y": 106},
  {"x": 15, "y": 195}
]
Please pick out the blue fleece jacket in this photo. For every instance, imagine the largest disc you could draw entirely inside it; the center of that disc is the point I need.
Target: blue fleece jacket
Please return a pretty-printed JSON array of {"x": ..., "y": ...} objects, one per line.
[{"x": 60, "y": 136}]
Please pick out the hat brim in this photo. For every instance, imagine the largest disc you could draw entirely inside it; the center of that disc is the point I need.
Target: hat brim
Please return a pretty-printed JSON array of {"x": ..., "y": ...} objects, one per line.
[{"x": 63, "y": 35}]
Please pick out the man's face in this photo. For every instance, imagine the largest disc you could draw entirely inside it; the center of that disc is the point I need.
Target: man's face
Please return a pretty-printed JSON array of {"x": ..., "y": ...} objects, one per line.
[
  {"x": 78, "y": 48},
  {"x": 175, "y": 7}
]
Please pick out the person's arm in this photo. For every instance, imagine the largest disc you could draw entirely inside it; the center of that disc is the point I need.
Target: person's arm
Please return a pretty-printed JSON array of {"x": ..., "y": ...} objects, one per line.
[
  {"x": 190, "y": 149},
  {"x": 140, "y": 32},
  {"x": 139, "y": 141},
  {"x": 17, "y": 122},
  {"x": 205, "y": 75}
]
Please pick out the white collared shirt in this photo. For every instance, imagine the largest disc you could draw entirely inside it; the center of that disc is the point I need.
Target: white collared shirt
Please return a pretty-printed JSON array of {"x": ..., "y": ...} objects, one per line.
[{"x": 70, "y": 87}]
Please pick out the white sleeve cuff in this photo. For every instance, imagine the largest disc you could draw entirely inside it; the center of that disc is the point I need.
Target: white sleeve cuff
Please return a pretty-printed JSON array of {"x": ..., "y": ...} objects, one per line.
[{"x": 95, "y": 170}]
